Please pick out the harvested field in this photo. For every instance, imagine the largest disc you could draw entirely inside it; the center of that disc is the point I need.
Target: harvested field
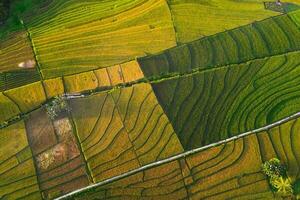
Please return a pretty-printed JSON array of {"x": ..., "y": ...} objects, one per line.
[
  {"x": 60, "y": 166},
  {"x": 150, "y": 99}
]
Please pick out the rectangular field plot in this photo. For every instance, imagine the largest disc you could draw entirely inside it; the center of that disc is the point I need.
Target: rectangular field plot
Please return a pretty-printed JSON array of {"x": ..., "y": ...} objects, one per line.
[
  {"x": 8, "y": 108},
  {"x": 75, "y": 40},
  {"x": 15, "y": 50},
  {"x": 17, "y": 172},
  {"x": 14, "y": 79},
  {"x": 128, "y": 72},
  {"x": 214, "y": 105},
  {"x": 60, "y": 166},
  {"x": 27, "y": 97}
]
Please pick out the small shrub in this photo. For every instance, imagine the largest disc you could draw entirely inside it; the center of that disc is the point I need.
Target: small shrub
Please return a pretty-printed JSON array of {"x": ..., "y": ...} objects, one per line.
[
  {"x": 56, "y": 106},
  {"x": 273, "y": 168}
]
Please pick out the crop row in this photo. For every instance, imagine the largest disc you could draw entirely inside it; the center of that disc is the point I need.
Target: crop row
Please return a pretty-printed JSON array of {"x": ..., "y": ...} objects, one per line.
[
  {"x": 14, "y": 79},
  {"x": 127, "y": 128},
  {"x": 18, "y": 178},
  {"x": 116, "y": 132},
  {"x": 230, "y": 170},
  {"x": 261, "y": 39},
  {"x": 14, "y": 50},
  {"x": 65, "y": 44},
  {"x": 209, "y": 106},
  {"x": 122, "y": 131},
  {"x": 194, "y": 19}
]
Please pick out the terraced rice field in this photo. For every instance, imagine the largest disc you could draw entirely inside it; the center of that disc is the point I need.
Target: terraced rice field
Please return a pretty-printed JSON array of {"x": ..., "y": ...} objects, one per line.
[
  {"x": 261, "y": 39},
  {"x": 230, "y": 170},
  {"x": 17, "y": 171},
  {"x": 14, "y": 50},
  {"x": 166, "y": 99},
  {"x": 99, "y": 34},
  {"x": 213, "y": 105},
  {"x": 124, "y": 30},
  {"x": 123, "y": 130},
  {"x": 194, "y": 19}
]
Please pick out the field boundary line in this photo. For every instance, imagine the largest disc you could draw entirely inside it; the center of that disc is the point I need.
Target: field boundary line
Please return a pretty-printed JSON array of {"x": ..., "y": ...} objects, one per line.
[
  {"x": 162, "y": 52},
  {"x": 173, "y": 22},
  {"x": 147, "y": 80},
  {"x": 33, "y": 49},
  {"x": 180, "y": 156},
  {"x": 185, "y": 43}
]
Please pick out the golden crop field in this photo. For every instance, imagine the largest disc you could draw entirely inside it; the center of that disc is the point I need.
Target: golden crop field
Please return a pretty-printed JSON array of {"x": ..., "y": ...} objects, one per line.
[{"x": 150, "y": 99}]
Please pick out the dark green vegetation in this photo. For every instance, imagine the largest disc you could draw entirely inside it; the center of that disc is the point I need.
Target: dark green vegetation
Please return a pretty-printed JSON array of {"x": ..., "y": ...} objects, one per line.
[
  {"x": 13, "y": 79},
  {"x": 269, "y": 37},
  {"x": 213, "y": 105},
  {"x": 12, "y": 13},
  {"x": 4, "y": 10},
  {"x": 274, "y": 169},
  {"x": 73, "y": 36},
  {"x": 296, "y": 187}
]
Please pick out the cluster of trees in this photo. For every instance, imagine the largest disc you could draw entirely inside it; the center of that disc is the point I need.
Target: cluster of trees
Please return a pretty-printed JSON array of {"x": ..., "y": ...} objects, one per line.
[
  {"x": 279, "y": 180},
  {"x": 4, "y": 10}
]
